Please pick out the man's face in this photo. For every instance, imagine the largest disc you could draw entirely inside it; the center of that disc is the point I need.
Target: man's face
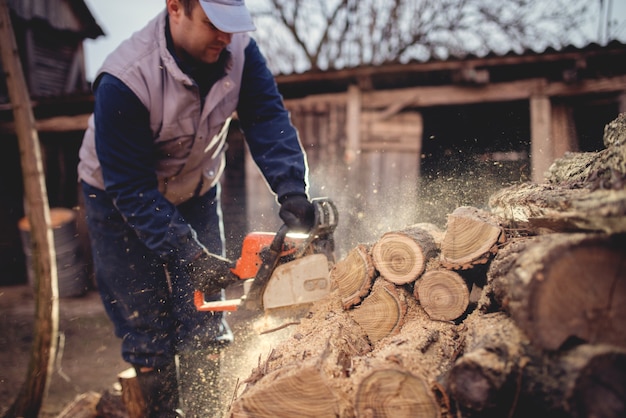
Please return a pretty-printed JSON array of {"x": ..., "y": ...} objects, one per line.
[{"x": 195, "y": 36}]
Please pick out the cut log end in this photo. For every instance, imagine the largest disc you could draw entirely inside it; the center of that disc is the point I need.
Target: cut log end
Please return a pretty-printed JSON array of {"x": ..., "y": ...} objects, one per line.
[
  {"x": 443, "y": 294},
  {"x": 581, "y": 295},
  {"x": 395, "y": 393},
  {"x": 400, "y": 257},
  {"x": 297, "y": 393},
  {"x": 382, "y": 312},
  {"x": 353, "y": 276},
  {"x": 471, "y": 237}
]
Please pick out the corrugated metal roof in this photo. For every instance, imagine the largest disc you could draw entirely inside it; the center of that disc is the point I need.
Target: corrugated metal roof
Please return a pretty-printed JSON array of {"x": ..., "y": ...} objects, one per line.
[{"x": 65, "y": 15}]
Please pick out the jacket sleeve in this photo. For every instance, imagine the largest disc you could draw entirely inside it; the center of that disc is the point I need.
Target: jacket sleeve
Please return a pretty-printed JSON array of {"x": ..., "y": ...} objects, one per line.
[
  {"x": 272, "y": 139},
  {"x": 124, "y": 145}
]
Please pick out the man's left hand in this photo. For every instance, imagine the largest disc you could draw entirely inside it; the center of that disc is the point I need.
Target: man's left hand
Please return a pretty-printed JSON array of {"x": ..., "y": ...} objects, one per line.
[{"x": 297, "y": 213}]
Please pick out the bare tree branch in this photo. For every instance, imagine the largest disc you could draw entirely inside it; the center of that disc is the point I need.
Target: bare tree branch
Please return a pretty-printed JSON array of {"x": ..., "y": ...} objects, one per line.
[{"x": 326, "y": 34}]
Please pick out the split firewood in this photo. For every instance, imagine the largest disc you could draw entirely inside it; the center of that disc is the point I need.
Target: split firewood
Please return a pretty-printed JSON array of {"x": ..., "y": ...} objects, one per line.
[
  {"x": 416, "y": 356},
  {"x": 354, "y": 275},
  {"x": 443, "y": 294},
  {"x": 564, "y": 287},
  {"x": 401, "y": 256},
  {"x": 305, "y": 375},
  {"x": 294, "y": 392},
  {"x": 472, "y": 236},
  {"x": 395, "y": 394},
  {"x": 382, "y": 312},
  {"x": 483, "y": 381}
]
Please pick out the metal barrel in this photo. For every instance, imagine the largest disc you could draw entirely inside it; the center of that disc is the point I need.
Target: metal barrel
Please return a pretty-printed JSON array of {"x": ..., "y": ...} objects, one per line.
[{"x": 72, "y": 271}]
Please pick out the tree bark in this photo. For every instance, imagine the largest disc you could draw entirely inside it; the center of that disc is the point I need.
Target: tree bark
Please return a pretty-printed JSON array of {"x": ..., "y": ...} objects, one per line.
[
  {"x": 544, "y": 208},
  {"x": 483, "y": 381},
  {"x": 605, "y": 169},
  {"x": 588, "y": 380},
  {"x": 354, "y": 275},
  {"x": 564, "y": 287},
  {"x": 443, "y": 294},
  {"x": 585, "y": 192},
  {"x": 401, "y": 256},
  {"x": 472, "y": 236}
]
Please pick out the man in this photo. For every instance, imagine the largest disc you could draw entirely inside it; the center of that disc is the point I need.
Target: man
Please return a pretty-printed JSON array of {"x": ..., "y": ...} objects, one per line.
[{"x": 149, "y": 166}]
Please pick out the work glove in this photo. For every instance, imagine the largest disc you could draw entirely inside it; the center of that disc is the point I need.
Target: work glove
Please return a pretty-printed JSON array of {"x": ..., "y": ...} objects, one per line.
[
  {"x": 297, "y": 212},
  {"x": 211, "y": 273}
]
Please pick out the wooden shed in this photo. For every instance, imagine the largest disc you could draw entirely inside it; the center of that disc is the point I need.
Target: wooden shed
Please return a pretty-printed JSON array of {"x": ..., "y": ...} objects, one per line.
[
  {"x": 50, "y": 35},
  {"x": 406, "y": 143}
]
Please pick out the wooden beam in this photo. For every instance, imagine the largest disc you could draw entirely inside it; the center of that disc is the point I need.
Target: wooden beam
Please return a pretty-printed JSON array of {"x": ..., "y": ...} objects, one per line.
[
  {"x": 353, "y": 123},
  {"x": 459, "y": 95},
  {"x": 54, "y": 124},
  {"x": 541, "y": 147},
  {"x": 451, "y": 65}
]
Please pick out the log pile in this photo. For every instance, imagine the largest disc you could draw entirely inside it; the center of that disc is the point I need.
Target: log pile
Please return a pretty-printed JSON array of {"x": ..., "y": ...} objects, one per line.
[{"x": 509, "y": 312}]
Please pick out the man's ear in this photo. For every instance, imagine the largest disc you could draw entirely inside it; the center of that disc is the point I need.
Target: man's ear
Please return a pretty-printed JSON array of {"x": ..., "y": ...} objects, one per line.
[{"x": 174, "y": 8}]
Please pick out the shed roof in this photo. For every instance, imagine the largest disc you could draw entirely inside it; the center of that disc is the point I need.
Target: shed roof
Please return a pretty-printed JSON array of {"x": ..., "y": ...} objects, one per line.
[
  {"x": 64, "y": 15},
  {"x": 569, "y": 64}
]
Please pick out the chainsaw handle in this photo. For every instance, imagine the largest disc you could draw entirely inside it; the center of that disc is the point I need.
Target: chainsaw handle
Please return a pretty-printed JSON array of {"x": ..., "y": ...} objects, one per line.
[{"x": 279, "y": 239}]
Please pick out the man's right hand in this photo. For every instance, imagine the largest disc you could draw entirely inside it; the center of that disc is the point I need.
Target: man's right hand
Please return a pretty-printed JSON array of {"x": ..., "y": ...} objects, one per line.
[{"x": 211, "y": 273}]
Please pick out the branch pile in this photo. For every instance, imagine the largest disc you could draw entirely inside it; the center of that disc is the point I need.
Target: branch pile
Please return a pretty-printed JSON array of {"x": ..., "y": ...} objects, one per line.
[{"x": 511, "y": 312}]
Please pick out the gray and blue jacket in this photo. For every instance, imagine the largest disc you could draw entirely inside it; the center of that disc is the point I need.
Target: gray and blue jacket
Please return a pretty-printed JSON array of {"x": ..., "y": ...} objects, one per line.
[{"x": 158, "y": 133}]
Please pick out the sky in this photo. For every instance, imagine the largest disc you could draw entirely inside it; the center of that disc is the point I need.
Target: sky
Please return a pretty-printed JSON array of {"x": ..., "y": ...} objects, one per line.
[{"x": 120, "y": 18}]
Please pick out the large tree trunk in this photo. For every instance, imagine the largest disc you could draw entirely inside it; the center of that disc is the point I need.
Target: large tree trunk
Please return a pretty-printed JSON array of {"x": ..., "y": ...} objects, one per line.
[{"x": 564, "y": 288}]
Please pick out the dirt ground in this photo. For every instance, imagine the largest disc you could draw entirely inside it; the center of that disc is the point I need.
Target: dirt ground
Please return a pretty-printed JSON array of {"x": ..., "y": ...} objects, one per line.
[{"x": 89, "y": 353}]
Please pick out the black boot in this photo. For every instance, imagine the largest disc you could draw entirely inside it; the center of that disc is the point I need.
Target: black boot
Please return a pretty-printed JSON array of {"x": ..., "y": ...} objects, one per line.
[{"x": 159, "y": 387}]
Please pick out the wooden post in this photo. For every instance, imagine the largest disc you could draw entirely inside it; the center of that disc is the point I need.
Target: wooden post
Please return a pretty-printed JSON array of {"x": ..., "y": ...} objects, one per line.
[
  {"x": 541, "y": 149},
  {"x": 563, "y": 130},
  {"x": 30, "y": 398},
  {"x": 353, "y": 124}
]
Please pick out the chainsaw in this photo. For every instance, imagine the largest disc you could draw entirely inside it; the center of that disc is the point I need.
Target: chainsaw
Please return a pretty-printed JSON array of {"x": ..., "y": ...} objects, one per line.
[{"x": 283, "y": 269}]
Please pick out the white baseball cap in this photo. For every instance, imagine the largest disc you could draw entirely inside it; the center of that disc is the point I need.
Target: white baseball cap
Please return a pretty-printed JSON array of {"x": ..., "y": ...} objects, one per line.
[{"x": 229, "y": 16}]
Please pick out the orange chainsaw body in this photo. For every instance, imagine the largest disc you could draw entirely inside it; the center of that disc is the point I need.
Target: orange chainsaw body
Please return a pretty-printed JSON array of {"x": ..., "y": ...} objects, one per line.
[
  {"x": 248, "y": 264},
  {"x": 294, "y": 267}
]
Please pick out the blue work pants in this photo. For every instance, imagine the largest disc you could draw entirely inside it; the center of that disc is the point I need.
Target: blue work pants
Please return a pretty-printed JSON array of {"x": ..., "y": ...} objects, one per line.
[{"x": 151, "y": 304}]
